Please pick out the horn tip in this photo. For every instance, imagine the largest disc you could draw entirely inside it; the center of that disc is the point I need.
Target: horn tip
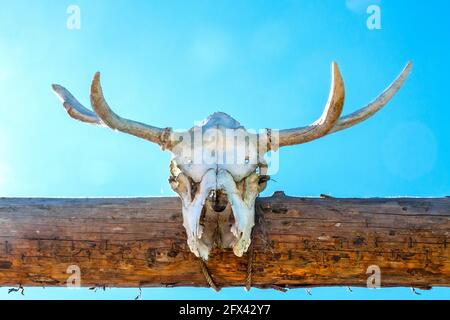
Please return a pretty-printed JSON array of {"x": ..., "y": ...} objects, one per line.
[
  {"x": 409, "y": 65},
  {"x": 335, "y": 68},
  {"x": 336, "y": 74},
  {"x": 60, "y": 92},
  {"x": 95, "y": 85},
  {"x": 58, "y": 88}
]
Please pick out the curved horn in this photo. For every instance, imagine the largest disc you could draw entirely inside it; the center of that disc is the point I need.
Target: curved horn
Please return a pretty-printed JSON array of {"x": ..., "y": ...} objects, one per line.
[
  {"x": 376, "y": 105},
  {"x": 104, "y": 116},
  {"x": 326, "y": 122},
  {"x": 314, "y": 131}
]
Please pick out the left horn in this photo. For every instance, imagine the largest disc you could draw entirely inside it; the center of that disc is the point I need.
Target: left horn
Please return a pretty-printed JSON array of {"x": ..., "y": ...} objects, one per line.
[{"x": 104, "y": 116}]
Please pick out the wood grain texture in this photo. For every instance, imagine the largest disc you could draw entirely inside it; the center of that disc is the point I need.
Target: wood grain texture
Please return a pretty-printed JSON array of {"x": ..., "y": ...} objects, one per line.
[{"x": 298, "y": 242}]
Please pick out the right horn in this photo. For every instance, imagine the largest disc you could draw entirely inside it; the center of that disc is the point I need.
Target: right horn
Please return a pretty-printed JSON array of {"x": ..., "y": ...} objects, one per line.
[{"x": 330, "y": 121}]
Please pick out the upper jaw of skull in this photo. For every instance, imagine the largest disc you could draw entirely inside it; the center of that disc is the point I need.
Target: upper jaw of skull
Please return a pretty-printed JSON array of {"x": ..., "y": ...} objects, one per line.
[{"x": 217, "y": 211}]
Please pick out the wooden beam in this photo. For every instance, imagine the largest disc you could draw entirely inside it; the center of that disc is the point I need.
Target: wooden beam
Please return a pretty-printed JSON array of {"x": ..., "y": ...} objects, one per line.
[{"x": 299, "y": 242}]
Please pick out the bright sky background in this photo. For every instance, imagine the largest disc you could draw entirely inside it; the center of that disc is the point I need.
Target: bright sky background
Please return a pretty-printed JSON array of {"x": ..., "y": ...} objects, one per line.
[{"x": 266, "y": 63}]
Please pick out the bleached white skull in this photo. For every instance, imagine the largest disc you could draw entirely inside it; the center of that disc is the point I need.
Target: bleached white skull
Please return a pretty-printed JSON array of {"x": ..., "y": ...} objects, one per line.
[{"x": 219, "y": 159}]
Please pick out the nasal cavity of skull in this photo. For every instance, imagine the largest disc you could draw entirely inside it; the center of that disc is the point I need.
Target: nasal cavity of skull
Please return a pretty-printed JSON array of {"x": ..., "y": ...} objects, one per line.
[{"x": 218, "y": 200}]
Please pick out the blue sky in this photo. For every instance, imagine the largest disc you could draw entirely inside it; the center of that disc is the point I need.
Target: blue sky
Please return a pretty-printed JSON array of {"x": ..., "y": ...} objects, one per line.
[{"x": 267, "y": 63}]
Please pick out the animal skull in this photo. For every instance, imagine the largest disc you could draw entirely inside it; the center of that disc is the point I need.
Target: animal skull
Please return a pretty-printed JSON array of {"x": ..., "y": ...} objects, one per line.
[
  {"x": 221, "y": 159},
  {"x": 218, "y": 157}
]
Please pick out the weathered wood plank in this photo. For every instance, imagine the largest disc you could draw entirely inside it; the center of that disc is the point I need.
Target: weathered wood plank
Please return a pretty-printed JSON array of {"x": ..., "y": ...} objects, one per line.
[{"x": 299, "y": 242}]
